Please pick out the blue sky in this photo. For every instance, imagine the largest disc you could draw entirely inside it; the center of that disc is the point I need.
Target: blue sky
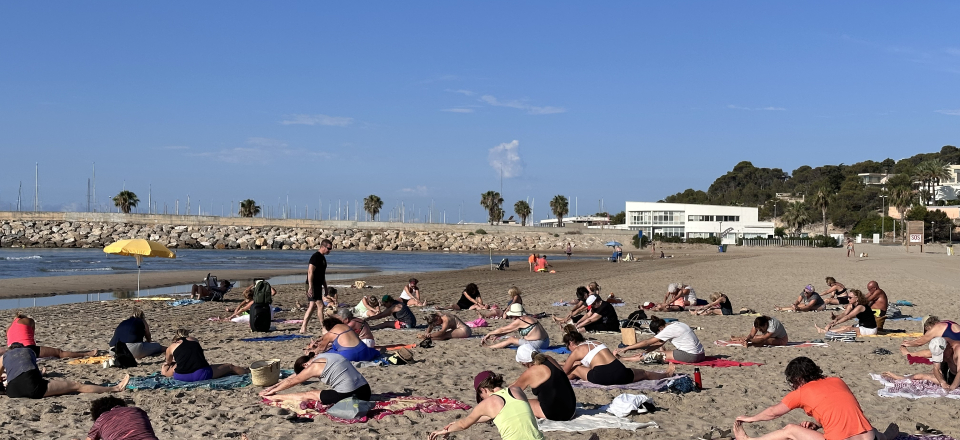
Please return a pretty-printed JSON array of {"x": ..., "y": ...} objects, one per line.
[{"x": 423, "y": 101}]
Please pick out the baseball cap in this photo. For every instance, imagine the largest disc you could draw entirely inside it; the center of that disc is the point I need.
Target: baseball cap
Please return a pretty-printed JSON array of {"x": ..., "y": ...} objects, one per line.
[
  {"x": 937, "y": 346},
  {"x": 648, "y": 305},
  {"x": 386, "y": 299},
  {"x": 592, "y": 299},
  {"x": 809, "y": 288},
  {"x": 525, "y": 353},
  {"x": 478, "y": 380}
]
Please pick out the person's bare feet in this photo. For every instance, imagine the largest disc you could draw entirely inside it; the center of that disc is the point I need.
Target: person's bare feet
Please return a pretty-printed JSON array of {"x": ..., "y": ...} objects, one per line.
[
  {"x": 739, "y": 432},
  {"x": 122, "y": 385},
  {"x": 671, "y": 369},
  {"x": 890, "y": 376},
  {"x": 820, "y": 330},
  {"x": 91, "y": 353},
  {"x": 904, "y": 351}
]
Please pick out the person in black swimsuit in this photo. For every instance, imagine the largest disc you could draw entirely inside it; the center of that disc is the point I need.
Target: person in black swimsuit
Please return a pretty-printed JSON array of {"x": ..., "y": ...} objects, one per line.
[
  {"x": 545, "y": 377},
  {"x": 186, "y": 362},
  {"x": 838, "y": 291},
  {"x": 470, "y": 299},
  {"x": 719, "y": 305},
  {"x": 867, "y": 325}
]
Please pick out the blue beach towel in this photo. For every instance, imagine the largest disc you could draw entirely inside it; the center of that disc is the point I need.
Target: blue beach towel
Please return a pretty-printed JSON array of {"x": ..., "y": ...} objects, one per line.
[
  {"x": 156, "y": 381},
  {"x": 559, "y": 349},
  {"x": 276, "y": 338},
  {"x": 902, "y": 302},
  {"x": 184, "y": 302}
]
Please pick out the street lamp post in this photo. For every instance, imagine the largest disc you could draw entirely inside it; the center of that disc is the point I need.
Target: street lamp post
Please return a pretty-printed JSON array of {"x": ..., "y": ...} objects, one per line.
[{"x": 883, "y": 217}]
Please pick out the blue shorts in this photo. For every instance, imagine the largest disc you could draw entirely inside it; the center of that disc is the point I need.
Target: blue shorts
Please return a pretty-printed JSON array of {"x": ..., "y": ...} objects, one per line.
[{"x": 196, "y": 376}]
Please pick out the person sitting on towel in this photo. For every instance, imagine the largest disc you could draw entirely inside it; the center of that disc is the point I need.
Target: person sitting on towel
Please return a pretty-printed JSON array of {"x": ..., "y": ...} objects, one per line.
[
  {"x": 808, "y": 301},
  {"x": 340, "y": 339},
  {"x": 114, "y": 420},
  {"x": 403, "y": 317},
  {"x": 508, "y": 408},
  {"x": 544, "y": 375},
  {"x": 877, "y": 298},
  {"x": 529, "y": 329},
  {"x": 578, "y": 307},
  {"x": 448, "y": 326},
  {"x": 601, "y": 317},
  {"x": 719, "y": 305},
  {"x": 470, "y": 299},
  {"x": 25, "y": 380},
  {"x": 333, "y": 370},
  {"x": 766, "y": 332},
  {"x": 687, "y": 346},
  {"x": 132, "y": 331},
  {"x": 185, "y": 361},
  {"x": 22, "y": 330},
  {"x": 592, "y": 361},
  {"x": 867, "y": 325},
  {"x": 933, "y": 327},
  {"x": 836, "y": 293},
  {"x": 410, "y": 295},
  {"x": 367, "y": 307},
  {"x": 359, "y": 326},
  {"x": 945, "y": 355}
]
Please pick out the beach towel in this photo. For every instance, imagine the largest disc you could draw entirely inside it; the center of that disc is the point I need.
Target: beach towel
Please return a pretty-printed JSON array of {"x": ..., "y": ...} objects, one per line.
[
  {"x": 906, "y": 318},
  {"x": 918, "y": 360},
  {"x": 396, "y": 405},
  {"x": 156, "y": 381},
  {"x": 558, "y": 349},
  {"x": 561, "y": 304},
  {"x": 479, "y": 322},
  {"x": 591, "y": 419},
  {"x": 905, "y": 436},
  {"x": 680, "y": 383},
  {"x": 715, "y": 362},
  {"x": 155, "y": 298},
  {"x": 895, "y": 335},
  {"x": 184, "y": 302},
  {"x": 901, "y": 302},
  {"x": 276, "y": 338},
  {"x": 90, "y": 360},
  {"x": 912, "y": 389},
  {"x": 799, "y": 344}
]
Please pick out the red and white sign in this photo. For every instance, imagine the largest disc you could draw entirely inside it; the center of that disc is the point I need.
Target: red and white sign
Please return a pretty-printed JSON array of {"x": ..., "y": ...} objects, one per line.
[{"x": 916, "y": 238}]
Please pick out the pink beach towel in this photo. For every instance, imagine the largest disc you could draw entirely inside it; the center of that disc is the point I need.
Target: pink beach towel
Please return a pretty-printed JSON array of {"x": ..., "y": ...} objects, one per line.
[
  {"x": 716, "y": 362},
  {"x": 479, "y": 322},
  {"x": 397, "y": 405},
  {"x": 801, "y": 344}
]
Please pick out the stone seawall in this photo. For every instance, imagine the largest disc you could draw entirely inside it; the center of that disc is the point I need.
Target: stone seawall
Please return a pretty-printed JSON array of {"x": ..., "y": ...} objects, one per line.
[{"x": 45, "y": 232}]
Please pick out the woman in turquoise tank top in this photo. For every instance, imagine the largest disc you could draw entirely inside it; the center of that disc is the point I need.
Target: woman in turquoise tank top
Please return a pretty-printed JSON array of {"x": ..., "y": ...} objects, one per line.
[{"x": 507, "y": 407}]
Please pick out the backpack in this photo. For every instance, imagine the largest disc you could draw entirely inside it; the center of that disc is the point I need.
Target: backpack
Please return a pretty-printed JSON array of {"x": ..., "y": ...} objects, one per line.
[
  {"x": 634, "y": 319},
  {"x": 122, "y": 357},
  {"x": 261, "y": 293}
]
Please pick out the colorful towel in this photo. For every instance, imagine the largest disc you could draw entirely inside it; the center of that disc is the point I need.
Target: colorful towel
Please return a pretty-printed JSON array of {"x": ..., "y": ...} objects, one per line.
[
  {"x": 912, "y": 389},
  {"x": 397, "y": 405},
  {"x": 680, "y": 383},
  {"x": 558, "y": 349},
  {"x": 156, "y": 381},
  {"x": 901, "y": 302},
  {"x": 479, "y": 322},
  {"x": 90, "y": 360},
  {"x": 591, "y": 419},
  {"x": 905, "y": 436},
  {"x": 918, "y": 360},
  {"x": 801, "y": 344},
  {"x": 184, "y": 302},
  {"x": 716, "y": 362},
  {"x": 276, "y": 338}
]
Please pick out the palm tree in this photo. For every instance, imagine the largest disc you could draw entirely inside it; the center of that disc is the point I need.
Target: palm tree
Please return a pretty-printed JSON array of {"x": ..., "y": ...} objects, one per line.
[
  {"x": 560, "y": 206},
  {"x": 249, "y": 208},
  {"x": 125, "y": 201},
  {"x": 821, "y": 200},
  {"x": 902, "y": 198},
  {"x": 372, "y": 205},
  {"x": 796, "y": 217},
  {"x": 522, "y": 208},
  {"x": 937, "y": 170},
  {"x": 491, "y": 201}
]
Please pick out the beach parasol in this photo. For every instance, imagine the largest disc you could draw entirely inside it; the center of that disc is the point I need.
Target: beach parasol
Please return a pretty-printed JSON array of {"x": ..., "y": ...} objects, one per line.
[
  {"x": 139, "y": 248},
  {"x": 614, "y": 243}
]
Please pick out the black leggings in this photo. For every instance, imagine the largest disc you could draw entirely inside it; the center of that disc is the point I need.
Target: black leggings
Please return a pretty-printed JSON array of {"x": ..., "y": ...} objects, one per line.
[
  {"x": 614, "y": 373},
  {"x": 329, "y": 397}
]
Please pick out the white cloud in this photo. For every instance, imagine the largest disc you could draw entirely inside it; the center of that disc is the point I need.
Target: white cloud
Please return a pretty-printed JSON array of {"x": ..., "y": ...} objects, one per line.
[
  {"x": 266, "y": 142},
  {"x": 419, "y": 190},
  {"x": 506, "y": 157},
  {"x": 769, "y": 109},
  {"x": 950, "y": 112},
  {"x": 260, "y": 150},
  {"x": 521, "y": 105},
  {"x": 462, "y": 92},
  {"x": 457, "y": 110},
  {"x": 331, "y": 121}
]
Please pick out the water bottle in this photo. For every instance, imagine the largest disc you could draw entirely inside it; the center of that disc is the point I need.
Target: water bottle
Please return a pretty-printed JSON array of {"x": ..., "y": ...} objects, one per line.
[{"x": 697, "y": 379}]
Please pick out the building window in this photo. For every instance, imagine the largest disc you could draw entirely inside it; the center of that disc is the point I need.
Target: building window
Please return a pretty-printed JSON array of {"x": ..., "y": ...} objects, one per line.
[
  {"x": 728, "y": 218},
  {"x": 667, "y": 217},
  {"x": 699, "y": 218},
  {"x": 669, "y": 232}
]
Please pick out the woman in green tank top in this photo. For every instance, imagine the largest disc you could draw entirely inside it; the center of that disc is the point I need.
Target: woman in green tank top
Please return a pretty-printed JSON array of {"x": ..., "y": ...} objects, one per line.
[{"x": 507, "y": 407}]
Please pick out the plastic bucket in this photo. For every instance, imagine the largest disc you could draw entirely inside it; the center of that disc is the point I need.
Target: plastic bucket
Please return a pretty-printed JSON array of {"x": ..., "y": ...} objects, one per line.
[{"x": 265, "y": 373}]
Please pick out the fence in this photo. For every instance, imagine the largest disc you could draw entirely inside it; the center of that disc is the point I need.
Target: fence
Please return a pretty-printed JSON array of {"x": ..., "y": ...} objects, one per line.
[{"x": 780, "y": 242}]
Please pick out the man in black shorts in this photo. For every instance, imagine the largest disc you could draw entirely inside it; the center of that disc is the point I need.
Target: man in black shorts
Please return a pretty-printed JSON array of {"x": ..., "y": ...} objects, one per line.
[{"x": 316, "y": 282}]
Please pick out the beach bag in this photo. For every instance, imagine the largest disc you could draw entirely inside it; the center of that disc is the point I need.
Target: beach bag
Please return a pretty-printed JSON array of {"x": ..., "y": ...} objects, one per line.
[
  {"x": 261, "y": 293},
  {"x": 634, "y": 319},
  {"x": 350, "y": 408},
  {"x": 260, "y": 317},
  {"x": 122, "y": 358}
]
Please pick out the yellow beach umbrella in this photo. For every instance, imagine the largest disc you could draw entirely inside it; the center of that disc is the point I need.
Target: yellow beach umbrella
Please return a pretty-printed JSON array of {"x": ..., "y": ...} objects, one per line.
[{"x": 139, "y": 248}]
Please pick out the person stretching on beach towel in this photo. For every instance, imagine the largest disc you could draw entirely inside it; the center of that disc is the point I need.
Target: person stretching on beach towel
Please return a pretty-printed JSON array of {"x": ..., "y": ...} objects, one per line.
[
  {"x": 359, "y": 326},
  {"x": 867, "y": 325},
  {"x": 411, "y": 294},
  {"x": 808, "y": 301},
  {"x": 836, "y": 293},
  {"x": 578, "y": 307},
  {"x": 403, "y": 317},
  {"x": 114, "y": 420},
  {"x": 185, "y": 361},
  {"x": 368, "y": 306},
  {"x": 688, "y": 346},
  {"x": 529, "y": 329},
  {"x": 945, "y": 355},
  {"x": 508, "y": 408},
  {"x": 933, "y": 327},
  {"x": 766, "y": 332},
  {"x": 544, "y": 375},
  {"x": 448, "y": 327},
  {"x": 601, "y": 317},
  {"x": 341, "y": 339},
  {"x": 333, "y": 370},
  {"x": 827, "y": 399},
  {"x": 22, "y": 330},
  {"x": 316, "y": 282},
  {"x": 593, "y": 362},
  {"x": 470, "y": 299},
  {"x": 24, "y": 379},
  {"x": 678, "y": 296},
  {"x": 719, "y": 305},
  {"x": 133, "y": 331}
]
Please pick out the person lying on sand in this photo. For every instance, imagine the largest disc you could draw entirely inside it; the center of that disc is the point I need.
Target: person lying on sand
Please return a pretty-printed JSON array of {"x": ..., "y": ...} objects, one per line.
[
  {"x": 333, "y": 370},
  {"x": 403, "y": 317},
  {"x": 877, "y": 298},
  {"x": 601, "y": 316},
  {"x": 932, "y": 327},
  {"x": 719, "y": 305},
  {"x": 411, "y": 294},
  {"x": 368, "y": 306},
  {"x": 341, "y": 339},
  {"x": 766, "y": 332},
  {"x": 577, "y": 309},
  {"x": 529, "y": 329},
  {"x": 832, "y": 404},
  {"x": 688, "y": 346},
  {"x": 836, "y": 293},
  {"x": 448, "y": 327},
  {"x": 508, "y": 408},
  {"x": 22, "y": 330},
  {"x": 359, "y": 326},
  {"x": 544, "y": 375},
  {"x": 185, "y": 361},
  {"x": 592, "y": 361},
  {"x": 867, "y": 325},
  {"x": 945, "y": 355},
  {"x": 114, "y": 420},
  {"x": 808, "y": 301},
  {"x": 24, "y": 379},
  {"x": 135, "y": 332}
]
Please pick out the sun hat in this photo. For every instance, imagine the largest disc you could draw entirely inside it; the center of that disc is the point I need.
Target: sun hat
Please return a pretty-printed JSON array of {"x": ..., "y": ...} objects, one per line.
[
  {"x": 516, "y": 310},
  {"x": 525, "y": 353},
  {"x": 478, "y": 380},
  {"x": 672, "y": 288},
  {"x": 592, "y": 299},
  {"x": 937, "y": 346}
]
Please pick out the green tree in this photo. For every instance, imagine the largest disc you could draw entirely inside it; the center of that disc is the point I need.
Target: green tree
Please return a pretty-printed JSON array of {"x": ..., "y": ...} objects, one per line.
[
  {"x": 491, "y": 201},
  {"x": 522, "y": 208},
  {"x": 372, "y": 204},
  {"x": 619, "y": 219},
  {"x": 249, "y": 208},
  {"x": 560, "y": 207},
  {"x": 796, "y": 217},
  {"x": 125, "y": 201},
  {"x": 901, "y": 198},
  {"x": 821, "y": 201}
]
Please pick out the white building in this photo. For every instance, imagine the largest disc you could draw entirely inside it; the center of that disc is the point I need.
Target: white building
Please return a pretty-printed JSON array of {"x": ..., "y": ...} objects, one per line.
[
  {"x": 697, "y": 221},
  {"x": 587, "y": 220}
]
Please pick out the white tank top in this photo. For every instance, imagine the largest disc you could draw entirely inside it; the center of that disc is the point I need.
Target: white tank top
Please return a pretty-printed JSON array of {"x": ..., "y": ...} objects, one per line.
[{"x": 592, "y": 353}]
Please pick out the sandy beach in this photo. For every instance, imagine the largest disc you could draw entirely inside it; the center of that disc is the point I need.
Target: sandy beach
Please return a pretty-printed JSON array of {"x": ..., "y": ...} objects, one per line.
[{"x": 755, "y": 278}]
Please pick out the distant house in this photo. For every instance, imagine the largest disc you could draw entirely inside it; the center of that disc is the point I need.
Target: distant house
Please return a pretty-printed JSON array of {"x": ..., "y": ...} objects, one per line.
[
  {"x": 874, "y": 178},
  {"x": 584, "y": 220},
  {"x": 697, "y": 221}
]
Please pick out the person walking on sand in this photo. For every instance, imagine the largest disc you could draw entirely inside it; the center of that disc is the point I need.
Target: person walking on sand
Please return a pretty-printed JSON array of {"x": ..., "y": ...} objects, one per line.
[
  {"x": 569, "y": 250},
  {"x": 316, "y": 282},
  {"x": 850, "y": 248}
]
